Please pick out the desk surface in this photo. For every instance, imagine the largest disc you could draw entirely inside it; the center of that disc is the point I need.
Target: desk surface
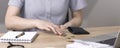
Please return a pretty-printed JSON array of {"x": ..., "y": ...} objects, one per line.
[{"x": 46, "y": 40}]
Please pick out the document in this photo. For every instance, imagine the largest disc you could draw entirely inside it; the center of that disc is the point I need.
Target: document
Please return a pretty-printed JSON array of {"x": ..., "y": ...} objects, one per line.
[{"x": 87, "y": 44}]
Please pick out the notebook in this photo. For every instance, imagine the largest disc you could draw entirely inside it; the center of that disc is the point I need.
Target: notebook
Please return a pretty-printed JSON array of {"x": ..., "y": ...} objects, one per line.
[{"x": 10, "y": 36}]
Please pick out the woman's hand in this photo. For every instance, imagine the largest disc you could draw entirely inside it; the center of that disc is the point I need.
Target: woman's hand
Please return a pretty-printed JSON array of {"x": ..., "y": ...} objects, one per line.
[
  {"x": 48, "y": 26},
  {"x": 63, "y": 27}
]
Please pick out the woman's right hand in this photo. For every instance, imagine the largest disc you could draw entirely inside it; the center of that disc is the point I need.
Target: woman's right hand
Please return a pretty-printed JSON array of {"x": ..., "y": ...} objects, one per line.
[{"x": 48, "y": 26}]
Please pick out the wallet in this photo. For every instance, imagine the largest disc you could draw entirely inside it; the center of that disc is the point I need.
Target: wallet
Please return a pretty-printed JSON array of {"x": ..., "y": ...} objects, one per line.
[{"x": 77, "y": 30}]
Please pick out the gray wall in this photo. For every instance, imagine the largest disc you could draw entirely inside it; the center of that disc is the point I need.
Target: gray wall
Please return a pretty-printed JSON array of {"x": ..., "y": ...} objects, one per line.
[
  {"x": 97, "y": 13},
  {"x": 3, "y": 7},
  {"x": 102, "y": 13}
]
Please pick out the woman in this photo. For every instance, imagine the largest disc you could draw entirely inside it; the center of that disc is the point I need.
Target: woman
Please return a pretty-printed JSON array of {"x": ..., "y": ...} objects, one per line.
[{"x": 49, "y": 15}]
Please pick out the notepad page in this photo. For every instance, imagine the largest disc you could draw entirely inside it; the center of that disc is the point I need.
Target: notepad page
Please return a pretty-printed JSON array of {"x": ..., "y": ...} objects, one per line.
[
  {"x": 28, "y": 36},
  {"x": 10, "y": 36}
]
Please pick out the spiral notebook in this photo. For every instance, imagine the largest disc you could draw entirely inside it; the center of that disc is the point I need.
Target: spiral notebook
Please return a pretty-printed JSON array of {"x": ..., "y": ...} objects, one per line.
[{"x": 10, "y": 36}]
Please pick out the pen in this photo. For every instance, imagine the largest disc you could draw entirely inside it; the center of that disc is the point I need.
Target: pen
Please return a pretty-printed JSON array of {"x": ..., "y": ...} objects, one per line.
[{"x": 19, "y": 35}]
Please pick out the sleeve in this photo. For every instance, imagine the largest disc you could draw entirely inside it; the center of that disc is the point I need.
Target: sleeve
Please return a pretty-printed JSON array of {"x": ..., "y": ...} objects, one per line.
[
  {"x": 77, "y": 4},
  {"x": 17, "y": 3}
]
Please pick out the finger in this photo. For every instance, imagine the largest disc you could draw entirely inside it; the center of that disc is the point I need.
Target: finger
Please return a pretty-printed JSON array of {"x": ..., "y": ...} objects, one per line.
[
  {"x": 55, "y": 27},
  {"x": 62, "y": 27},
  {"x": 58, "y": 30},
  {"x": 47, "y": 29},
  {"x": 52, "y": 28}
]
